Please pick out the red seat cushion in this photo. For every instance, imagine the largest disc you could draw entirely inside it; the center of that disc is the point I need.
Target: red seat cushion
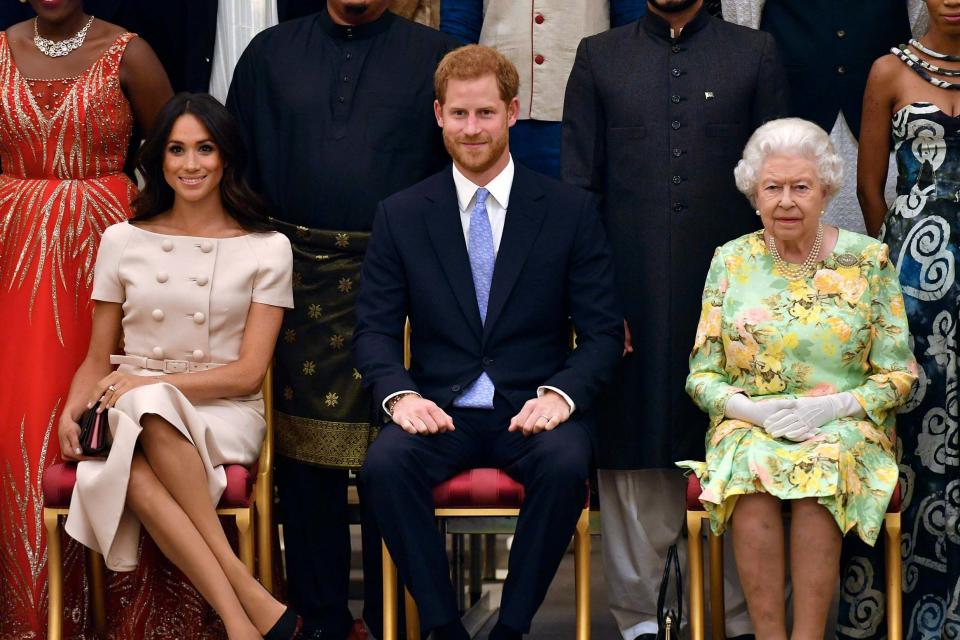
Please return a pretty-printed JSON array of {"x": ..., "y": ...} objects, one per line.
[
  {"x": 489, "y": 488},
  {"x": 59, "y": 479},
  {"x": 694, "y": 490}
]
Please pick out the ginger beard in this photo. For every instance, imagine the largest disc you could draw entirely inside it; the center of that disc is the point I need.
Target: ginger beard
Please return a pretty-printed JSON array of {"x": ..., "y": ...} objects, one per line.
[{"x": 480, "y": 158}]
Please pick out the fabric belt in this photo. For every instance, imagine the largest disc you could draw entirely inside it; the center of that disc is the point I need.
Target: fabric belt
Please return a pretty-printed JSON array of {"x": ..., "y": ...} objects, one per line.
[{"x": 167, "y": 366}]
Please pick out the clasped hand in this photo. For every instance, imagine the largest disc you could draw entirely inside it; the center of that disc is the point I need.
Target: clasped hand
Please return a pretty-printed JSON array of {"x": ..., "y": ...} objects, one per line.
[
  {"x": 417, "y": 415},
  {"x": 107, "y": 391},
  {"x": 796, "y": 420}
]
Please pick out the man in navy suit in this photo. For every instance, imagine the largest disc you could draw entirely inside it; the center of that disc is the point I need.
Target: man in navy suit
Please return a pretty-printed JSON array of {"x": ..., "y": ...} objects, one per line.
[{"x": 491, "y": 262}]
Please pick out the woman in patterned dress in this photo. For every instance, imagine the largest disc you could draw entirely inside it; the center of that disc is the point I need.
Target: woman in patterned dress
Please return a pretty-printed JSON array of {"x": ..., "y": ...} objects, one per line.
[
  {"x": 800, "y": 359},
  {"x": 65, "y": 123},
  {"x": 913, "y": 93}
]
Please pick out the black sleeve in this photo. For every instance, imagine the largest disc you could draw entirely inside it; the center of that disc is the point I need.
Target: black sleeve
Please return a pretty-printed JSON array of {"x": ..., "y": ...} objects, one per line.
[{"x": 583, "y": 145}]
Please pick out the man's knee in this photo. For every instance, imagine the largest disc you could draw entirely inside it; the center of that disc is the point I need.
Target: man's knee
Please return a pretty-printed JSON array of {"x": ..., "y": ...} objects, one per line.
[
  {"x": 564, "y": 462},
  {"x": 387, "y": 457}
]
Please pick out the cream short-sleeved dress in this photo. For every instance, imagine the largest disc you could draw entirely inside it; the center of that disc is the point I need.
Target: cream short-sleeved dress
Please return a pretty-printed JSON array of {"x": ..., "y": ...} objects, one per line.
[{"x": 184, "y": 298}]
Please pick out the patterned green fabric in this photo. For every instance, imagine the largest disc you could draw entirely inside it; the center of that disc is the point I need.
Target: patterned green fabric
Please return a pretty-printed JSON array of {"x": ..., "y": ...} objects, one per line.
[{"x": 843, "y": 329}]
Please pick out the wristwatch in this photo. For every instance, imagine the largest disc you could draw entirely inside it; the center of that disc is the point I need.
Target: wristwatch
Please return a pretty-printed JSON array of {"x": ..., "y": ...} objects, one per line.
[{"x": 392, "y": 402}]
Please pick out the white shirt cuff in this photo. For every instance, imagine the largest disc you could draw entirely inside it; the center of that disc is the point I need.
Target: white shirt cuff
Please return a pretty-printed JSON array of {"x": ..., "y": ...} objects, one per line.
[
  {"x": 387, "y": 400},
  {"x": 544, "y": 389}
]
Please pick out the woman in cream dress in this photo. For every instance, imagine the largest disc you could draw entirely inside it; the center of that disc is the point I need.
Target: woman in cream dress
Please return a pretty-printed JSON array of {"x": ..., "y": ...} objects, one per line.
[{"x": 195, "y": 285}]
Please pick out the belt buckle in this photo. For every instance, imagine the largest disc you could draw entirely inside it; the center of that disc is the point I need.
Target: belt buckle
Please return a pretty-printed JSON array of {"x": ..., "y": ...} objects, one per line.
[{"x": 176, "y": 366}]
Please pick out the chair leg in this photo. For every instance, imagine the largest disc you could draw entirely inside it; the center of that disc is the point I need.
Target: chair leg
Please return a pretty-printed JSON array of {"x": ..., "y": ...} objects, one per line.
[
  {"x": 264, "y": 534},
  {"x": 581, "y": 547},
  {"x": 97, "y": 590},
  {"x": 54, "y": 575},
  {"x": 245, "y": 533},
  {"x": 718, "y": 626},
  {"x": 695, "y": 559},
  {"x": 894, "y": 580},
  {"x": 389, "y": 596},
  {"x": 412, "y": 616}
]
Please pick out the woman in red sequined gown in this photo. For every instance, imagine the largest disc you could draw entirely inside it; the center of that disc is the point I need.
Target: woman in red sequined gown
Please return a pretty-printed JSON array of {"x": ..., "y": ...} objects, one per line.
[{"x": 65, "y": 124}]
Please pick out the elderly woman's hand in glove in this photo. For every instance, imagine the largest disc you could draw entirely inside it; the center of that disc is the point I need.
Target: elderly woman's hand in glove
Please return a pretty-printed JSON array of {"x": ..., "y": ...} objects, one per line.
[{"x": 804, "y": 420}]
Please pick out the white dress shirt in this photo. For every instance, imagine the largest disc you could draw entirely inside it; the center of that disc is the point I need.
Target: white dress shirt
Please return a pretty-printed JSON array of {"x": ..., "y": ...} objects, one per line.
[{"x": 497, "y": 204}]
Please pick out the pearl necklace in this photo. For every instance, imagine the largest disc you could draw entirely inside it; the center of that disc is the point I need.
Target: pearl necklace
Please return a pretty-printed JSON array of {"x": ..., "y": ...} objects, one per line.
[
  {"x": 59, "y": 49},
  {"x": 797, "y": 271}
]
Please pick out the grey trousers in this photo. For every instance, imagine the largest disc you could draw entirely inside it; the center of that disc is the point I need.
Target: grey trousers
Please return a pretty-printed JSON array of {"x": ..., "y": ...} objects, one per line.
[{"x": 642, "y": 513}]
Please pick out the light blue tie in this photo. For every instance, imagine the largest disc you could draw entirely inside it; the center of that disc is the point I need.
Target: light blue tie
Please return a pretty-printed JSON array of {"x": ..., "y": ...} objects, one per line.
[{"x": 479, "y": 395}]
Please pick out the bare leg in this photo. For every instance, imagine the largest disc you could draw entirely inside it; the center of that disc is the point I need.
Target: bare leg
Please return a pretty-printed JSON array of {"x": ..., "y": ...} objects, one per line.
[
  {"x": 758, "y": 548},
  {"x": 180, "y": 541},
  {"x": 814, "y": 565},
  {"x": 177, "y": 464}
]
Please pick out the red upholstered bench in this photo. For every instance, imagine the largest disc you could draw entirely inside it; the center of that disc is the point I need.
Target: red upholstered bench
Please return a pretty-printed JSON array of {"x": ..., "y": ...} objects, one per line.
[
  {"x": 696, "y": 515},
  {"x": 248, "y": 499},
  {"x": 479, "y": 493}
]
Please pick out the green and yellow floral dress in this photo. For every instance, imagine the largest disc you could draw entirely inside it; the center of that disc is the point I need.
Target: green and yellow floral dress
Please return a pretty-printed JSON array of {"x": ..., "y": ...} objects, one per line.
[{"x": 843, "y": 329}]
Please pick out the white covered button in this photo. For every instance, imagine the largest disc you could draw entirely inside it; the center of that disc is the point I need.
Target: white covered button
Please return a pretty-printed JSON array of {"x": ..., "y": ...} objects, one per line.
[
  {"x": 167, "y": 245},
  {"x": 198, "y": 317},
  {"x": 203, "y": 280},
  {"x": 162, "y": 276},
  {"x": 158, "y": 314},
  {"x": 197, "y": 354},
  {"x": 206, "y": 246},
  {"x": 157, "y": 352}
]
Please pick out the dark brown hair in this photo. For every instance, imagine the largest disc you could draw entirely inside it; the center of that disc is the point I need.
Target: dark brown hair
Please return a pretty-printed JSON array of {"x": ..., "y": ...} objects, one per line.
[
  {"x": 241, "y": 202},
  {"x": 475, "y": 61}
]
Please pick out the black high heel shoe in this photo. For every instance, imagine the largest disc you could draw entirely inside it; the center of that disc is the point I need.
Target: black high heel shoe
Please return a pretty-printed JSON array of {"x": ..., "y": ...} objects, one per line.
[{"x": 288, "y": 627}]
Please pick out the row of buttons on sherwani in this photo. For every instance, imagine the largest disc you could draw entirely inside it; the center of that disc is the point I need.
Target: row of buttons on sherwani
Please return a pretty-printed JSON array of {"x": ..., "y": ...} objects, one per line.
[
  {"x": 196, "y": 267},
  {"x": 675, "y": 124}
]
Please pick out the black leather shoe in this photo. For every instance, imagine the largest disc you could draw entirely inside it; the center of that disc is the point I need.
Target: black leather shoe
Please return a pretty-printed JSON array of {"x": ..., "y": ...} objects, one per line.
[{"x": 288, "y": 627}]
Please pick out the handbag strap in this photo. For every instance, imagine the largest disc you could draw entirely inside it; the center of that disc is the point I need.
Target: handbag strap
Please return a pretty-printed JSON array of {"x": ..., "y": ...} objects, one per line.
[{"x": 673, "y": 562}]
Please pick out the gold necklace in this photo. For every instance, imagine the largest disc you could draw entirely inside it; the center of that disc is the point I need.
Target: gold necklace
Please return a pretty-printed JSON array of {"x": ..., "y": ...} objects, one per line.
[
  {"x": 796, "y": 271},
  {"x": 58, "y": 49}
]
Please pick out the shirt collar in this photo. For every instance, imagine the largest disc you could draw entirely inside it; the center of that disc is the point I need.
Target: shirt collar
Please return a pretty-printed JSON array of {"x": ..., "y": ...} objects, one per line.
[
  {"x": 499, "y": 187},
  {"x": 358, "y": 32},
  {"x": 660, "y": 28}
]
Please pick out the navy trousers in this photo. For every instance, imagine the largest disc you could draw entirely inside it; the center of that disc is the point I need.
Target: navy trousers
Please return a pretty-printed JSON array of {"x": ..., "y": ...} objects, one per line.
[{"x": 396, "y": 484}]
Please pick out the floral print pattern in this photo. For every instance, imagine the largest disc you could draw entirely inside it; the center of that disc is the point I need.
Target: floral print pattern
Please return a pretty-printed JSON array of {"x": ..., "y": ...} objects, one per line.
[{"x": 843, "y": 329}]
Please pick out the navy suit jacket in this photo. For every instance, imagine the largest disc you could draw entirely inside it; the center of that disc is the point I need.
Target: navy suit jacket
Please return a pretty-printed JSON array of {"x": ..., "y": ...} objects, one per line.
[{"x": 553, "y": 268}]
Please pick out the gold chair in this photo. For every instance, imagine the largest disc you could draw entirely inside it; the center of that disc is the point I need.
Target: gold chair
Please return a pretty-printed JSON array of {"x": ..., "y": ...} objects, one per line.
[
  {"x": 255, "y": 508},
  {"x": 457, "y": 508},
  {"x": 696, "y": 516}
]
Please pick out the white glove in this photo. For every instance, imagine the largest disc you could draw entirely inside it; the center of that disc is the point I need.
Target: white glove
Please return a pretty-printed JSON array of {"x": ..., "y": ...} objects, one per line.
[
  {"x": 740, "y": 407},
  {"x": 804, "y": 421}
]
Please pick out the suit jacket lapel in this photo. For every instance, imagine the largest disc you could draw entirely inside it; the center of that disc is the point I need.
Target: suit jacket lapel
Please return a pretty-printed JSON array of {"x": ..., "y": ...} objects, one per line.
[
  {"x": 521, "y": 227},
  {"x": 446, "y": 234}
]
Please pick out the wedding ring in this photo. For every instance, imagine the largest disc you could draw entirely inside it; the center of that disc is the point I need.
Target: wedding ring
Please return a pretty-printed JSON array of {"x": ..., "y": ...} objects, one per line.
[{"x": 111, "y": 388}]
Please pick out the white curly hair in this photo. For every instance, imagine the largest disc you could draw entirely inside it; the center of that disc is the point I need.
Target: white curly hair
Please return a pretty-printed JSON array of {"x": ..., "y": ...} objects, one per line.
[{"x": 789, "y": 137}]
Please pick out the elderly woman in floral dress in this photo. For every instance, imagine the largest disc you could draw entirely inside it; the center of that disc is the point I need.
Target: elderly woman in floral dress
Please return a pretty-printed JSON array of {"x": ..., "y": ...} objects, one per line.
[{"x": 801, "y": 357}]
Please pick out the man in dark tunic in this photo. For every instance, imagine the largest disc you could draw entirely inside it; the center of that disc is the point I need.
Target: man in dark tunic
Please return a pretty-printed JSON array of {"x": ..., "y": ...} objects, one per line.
[
  {"x": 337, "y": 108},
  {"x": 656, "y": 115}
]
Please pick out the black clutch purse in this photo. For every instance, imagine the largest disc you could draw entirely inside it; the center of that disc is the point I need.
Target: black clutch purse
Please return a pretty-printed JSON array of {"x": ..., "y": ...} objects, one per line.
[{"x": 94, "y": 432}]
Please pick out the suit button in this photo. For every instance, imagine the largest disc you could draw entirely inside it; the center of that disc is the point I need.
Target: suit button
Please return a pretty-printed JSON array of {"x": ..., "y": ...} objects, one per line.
[
  {"x": 162, "y": 276},
  {"x": 675, "y": 73},
  {"x": 841, "y": 33},
  {"x": 538, "y": 59},
  {"x": 539, "y": 19},
  {"x": 202, "y": 280},
  {"x": 206, "y": 246},
  {"x": 197, "y": 354},
  {"x": 675, "y": 125},
  {"x": 676, "y": 179},
  {"x": 198, "y": 317},
  {"x": 158, "y": 352},
  {"x": 677, "y": 207},
  {"x": 488, "y": 361},
  {"x": 841, "y": 70},
  {"x": 675, "y": 48},
  {"x": 167, "y": 245},
  {"x": 675, "y": 99},
  {"x": 677, "y": 153},
  {"x": 455, "y": 388},
  {"x": 157, "y": 314}
]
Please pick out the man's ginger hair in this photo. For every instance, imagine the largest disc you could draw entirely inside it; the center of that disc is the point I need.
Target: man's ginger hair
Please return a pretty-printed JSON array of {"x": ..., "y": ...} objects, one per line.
[{"x": 475, "y": 61}]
